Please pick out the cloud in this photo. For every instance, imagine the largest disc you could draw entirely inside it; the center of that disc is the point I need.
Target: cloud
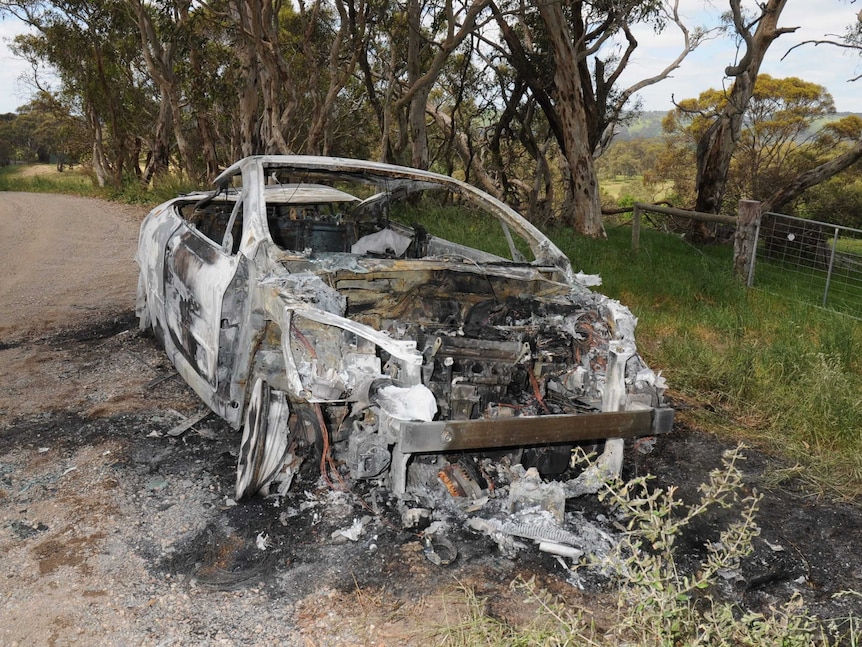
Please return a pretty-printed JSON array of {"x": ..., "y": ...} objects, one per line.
[{"x": 12, "y": 68}]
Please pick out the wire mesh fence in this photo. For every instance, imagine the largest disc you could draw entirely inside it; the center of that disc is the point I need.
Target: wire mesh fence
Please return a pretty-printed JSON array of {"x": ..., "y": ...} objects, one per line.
[{"x": 814, "y": 262}]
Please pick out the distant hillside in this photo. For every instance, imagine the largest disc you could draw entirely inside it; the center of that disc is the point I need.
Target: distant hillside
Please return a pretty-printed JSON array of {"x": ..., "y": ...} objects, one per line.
[{"x": 648, "y": 124}]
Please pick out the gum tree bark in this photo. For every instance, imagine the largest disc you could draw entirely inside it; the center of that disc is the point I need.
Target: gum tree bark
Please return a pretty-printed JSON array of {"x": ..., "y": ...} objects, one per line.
[
  {"x": 581, "y": 207},
  {"x": 716, "y": 146}
]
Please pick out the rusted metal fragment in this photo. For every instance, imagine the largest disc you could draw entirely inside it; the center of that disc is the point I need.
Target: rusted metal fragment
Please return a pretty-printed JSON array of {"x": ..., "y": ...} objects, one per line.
[{"x": 451, "y": 435}]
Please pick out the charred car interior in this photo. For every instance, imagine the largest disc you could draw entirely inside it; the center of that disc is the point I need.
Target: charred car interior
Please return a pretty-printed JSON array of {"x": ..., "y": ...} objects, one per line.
[{"x": 317, "y": 304}]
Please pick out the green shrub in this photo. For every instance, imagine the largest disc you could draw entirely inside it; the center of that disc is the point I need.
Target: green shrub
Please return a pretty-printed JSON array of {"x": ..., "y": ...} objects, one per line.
[{"x": 658, "y": 602}]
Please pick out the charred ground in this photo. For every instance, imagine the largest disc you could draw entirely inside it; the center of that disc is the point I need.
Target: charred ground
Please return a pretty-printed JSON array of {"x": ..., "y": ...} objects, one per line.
[{"x": 116, "y": 530}]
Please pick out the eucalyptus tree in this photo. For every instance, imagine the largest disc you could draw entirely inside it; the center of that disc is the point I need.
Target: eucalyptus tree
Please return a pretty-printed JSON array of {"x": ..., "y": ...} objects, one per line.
[
  {"x": 845, "y": 139},
  {"x": 570, "y": 56},
  {"x": 338, "y": 51},
  {"x": 199, "y": 57},
  {"x": 779, "y": 114},
  {"x": 776, "y": 157},
  {"x": 161, "y": 26},
  {"x": 410, "y": 46},
  {"x": 486, "y": 116},
  {"x": 93, "y": 47},
  {"x": 209, "y": 76},
  {"x": 291, "y": 63},
  {"x": 51, "y": 131},
  {"x": 718, "y": 142},
  {"x": 464, "y": 108}
]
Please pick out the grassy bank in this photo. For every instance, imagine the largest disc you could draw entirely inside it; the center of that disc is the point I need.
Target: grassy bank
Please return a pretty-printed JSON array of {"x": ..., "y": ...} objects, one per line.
[
  {"x": 743, "y": 363},
  {"x": 45, "y": 178}
]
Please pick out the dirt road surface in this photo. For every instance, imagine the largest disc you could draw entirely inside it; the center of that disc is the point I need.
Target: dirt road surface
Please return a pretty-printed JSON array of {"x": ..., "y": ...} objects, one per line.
[
  {"x": 66, "y": 260},
  {"x": 114, "y": 532}
]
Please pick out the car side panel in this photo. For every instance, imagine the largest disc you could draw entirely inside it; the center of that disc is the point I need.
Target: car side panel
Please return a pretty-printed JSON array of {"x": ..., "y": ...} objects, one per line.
[{"x": 196, "y": 274}]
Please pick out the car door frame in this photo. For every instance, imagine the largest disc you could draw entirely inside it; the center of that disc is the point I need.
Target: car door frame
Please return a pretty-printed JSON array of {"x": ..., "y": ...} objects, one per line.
[{"x": 199, "y": 277}]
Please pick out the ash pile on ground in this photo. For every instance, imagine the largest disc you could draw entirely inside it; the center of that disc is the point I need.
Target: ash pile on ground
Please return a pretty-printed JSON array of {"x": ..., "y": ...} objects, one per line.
[{"x": 114, "y": 531}]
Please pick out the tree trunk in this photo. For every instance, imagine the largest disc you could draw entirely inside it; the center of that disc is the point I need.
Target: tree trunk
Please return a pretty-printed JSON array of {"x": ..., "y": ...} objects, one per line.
[
  {"x": 581, "y": 206},
  {"x": 718, "y": 143},
  {"x": 422, "y": 75},
  {"x": 339, "y": 74},
  {"x": 159, "y": 58},
  {"x": 279, "y": 89},
  {"x": 811, "y": 178},
  {"x": 160, "y": 146},
  {"x": 208, "y": 144},
  {"x": 100, "y": 169},
  {"x": 206, "y": 130},
  {"x": 418, "y": 130},
  {"x": 187, "y": 157},
  {"x": 248, "y": 111},
  {"x": 117, "y": 141},
  {"x": 248, "y": 118},
  {"x": 417, "y": 103},
  {"x": 265, "y": 69}
]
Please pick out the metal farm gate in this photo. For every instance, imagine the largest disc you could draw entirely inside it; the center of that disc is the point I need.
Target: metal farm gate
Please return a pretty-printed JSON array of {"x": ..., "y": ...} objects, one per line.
[{"x": 814, "y": 262}]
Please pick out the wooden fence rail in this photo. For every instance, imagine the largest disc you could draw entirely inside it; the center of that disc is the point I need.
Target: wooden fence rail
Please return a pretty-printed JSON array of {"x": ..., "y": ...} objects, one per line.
[{"x": 746, "y": 223}]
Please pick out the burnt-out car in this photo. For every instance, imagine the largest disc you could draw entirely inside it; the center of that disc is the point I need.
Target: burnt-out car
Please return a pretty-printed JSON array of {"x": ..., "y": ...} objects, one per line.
[{"x": 322, "y": 305}]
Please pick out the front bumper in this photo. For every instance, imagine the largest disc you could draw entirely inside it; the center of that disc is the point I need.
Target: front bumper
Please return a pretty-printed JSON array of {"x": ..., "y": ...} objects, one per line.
[{"x": 526, "y": 431}]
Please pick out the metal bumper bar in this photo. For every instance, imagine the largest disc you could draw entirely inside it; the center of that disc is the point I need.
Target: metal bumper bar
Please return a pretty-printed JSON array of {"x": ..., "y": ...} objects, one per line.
[{"x": 451, "y": 435}]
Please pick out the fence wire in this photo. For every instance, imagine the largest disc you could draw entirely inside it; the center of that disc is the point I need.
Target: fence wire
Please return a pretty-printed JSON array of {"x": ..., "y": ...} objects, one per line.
[{"x": 815, "y": 262}]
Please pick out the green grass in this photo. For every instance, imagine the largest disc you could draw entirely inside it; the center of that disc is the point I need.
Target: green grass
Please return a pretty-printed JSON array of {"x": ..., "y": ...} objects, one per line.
[
  {"x": 751, "y": 364},
  {"x": 808, "y": 284},
  {"x": 461, "y": 224},
  {"x": 627, "y": 190},
  {"x": 44, "y": 178},
  {"x": 848, "y": 245}
]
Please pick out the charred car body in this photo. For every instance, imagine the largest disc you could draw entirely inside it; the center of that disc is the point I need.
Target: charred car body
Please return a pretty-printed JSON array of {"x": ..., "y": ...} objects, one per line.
[{"x": 310, "y": 315}]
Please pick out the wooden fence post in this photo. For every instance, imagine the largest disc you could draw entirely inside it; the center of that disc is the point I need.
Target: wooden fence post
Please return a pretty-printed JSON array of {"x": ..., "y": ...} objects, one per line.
[
  {"x": 744, "y": 240},
  {"x": 636, "y": 227}
]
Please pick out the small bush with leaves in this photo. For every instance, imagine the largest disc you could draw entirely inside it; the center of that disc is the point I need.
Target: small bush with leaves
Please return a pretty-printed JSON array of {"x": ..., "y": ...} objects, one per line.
[
  {"x": 661, "y": 605},
  {"x": 658, "y": 603}
]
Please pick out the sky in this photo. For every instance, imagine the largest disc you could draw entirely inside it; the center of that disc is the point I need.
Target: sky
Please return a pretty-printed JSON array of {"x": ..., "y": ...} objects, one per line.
[
  {"x": 825, "y": 65},
  {"x": 12, "y": 93},
  {"x": 829, "y": 66}
]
